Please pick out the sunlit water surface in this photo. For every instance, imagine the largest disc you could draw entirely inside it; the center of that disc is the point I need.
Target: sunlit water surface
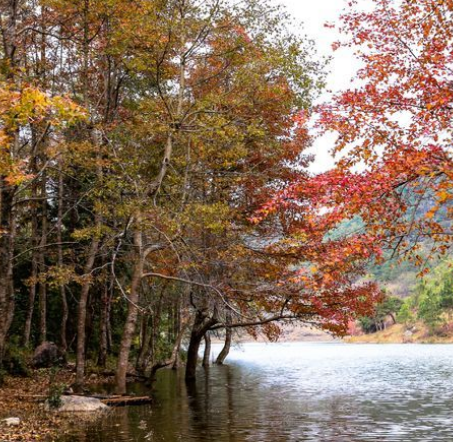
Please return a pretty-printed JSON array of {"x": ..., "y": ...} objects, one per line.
[{"x": 297, "y": 392}]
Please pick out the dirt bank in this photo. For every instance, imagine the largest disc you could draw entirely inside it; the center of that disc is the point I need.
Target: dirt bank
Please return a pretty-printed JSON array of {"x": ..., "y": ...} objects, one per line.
[
  {"x": 22, "y": 398},
  {"x": 399, "y": 334}
]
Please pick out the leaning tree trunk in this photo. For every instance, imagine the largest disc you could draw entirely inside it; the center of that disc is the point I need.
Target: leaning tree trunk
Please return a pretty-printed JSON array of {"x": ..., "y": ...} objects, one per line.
[
  {"x": 200, "y": 327},
  {"x": 207, "y": 349},
  {"x": 194, "y": 345},
  {"x": 226, "y": 348},
  {"x": 132, "y": 313},
  {"x": 227, "y": 345},
  {"x": 174, "y": 354}
]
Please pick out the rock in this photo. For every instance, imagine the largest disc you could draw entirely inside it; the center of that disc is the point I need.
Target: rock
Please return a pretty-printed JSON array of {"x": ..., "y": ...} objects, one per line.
[
  {"x": 68, "y": 390},
  {"x": 407, "y": 337},
  {"x": 47, "y": 355},
  {"x": 12, "y": 421},
  {"x": 77, "y": 404}
]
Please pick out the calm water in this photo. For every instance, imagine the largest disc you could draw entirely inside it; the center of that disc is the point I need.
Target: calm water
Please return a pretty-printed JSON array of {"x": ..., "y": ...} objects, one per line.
[{"x": 298, "y": 392}]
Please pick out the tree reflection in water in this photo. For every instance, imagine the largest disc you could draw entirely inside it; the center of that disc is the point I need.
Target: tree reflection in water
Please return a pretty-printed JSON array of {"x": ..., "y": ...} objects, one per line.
[{"x": 296, "y": 392}]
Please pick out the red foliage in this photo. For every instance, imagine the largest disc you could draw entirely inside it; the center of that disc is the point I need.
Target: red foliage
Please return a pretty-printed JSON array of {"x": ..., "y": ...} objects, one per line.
[{"x": 395, "y": 170}]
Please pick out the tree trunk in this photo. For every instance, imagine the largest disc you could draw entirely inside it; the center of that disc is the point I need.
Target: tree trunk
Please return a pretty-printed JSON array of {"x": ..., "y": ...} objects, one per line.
[
  {"x": 87, "y": 276},
  {"x": 132, "y": 313},
  {"x": 145, "y": 339},
  {"x": 148, "y": 353},
  {"x": 34, "y": 243},
  {"x": 181, "y": 317},
  {"x": 105, "y": 319},
  {"x": 7, "y": 238},
  {"x": 34, "y": 273},
  {"x": 174, "y": 354},
  {"x": 192, "y": 354},
  {"x": 64, "y": 300},
  {"x": 31, "y": 300},
  {"x": 82, "y": 312},
  {"x": 207, "y": 350},
  {"x": 42, "y": 264},
  {"x": 226, "y": 347},
  {"x": 7, "y": 191},
  {"x": 200, "y": 327}
]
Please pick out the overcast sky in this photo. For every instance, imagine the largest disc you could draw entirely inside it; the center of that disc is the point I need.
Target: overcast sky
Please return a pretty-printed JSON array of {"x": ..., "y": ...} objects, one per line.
[{"x": 313, "y": 15}]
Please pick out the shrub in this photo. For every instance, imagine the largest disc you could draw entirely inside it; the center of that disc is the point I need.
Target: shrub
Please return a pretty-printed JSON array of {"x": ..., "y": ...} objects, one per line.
[
  {"x": 15, "y": 362},
  {"x": 55, "y": 390}
]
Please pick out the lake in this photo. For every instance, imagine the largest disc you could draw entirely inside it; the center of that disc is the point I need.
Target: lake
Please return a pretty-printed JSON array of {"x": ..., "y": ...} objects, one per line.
[{"x": 296, "y": 392}]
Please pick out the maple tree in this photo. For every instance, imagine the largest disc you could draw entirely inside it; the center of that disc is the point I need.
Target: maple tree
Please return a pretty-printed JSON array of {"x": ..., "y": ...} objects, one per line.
[
  {"x": 393, "y": 129},
  {"x": 395, "y": 125}
]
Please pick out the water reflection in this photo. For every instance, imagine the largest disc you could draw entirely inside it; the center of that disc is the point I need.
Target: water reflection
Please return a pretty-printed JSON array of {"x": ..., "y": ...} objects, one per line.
[{"x": 297, "y": 392}]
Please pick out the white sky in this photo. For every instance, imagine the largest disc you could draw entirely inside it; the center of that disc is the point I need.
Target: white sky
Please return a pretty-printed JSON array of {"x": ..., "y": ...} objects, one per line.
[{"x": 313, "y": 15}]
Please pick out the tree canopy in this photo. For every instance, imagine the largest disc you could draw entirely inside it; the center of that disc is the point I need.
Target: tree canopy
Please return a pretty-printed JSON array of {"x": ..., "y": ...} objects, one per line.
[{"x": 140, "y": 142}]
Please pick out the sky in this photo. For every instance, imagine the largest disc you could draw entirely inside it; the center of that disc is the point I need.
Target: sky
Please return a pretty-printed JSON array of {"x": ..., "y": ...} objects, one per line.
[{"x": 313, "y": 15}]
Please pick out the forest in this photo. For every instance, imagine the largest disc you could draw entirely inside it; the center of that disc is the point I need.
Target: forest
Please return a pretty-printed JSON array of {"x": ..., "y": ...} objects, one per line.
[{"x": 155, "y": 182}]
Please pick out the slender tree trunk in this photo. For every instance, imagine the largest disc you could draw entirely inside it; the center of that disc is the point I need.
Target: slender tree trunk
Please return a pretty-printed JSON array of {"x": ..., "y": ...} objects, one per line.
[
  {"x": 64, "y": 301},
  {"x": 226, "y": 348},
  {"x": 96, "y": 139},
  {"x": 145, "y": 338},
  {"x": 227, "y": 345},
  {"x": 394, "y": 318},
  {"x": 82, "y": 312},
  {"x": 168, "y": 153},
  {"x": 7, "y": 191},
  {"x": 207, "y": 350},
  {"x": 105, "y": 319},
  {"x": 34, "y": 271},
  {"x": 90, "y": 317},
  {"x": 179, "y": 319},
  {"x": 192, "y": 354},
  {"x": 174, "y": 354},
  {"x": 6, "y": 268},
  {"x": 132, "y": 313},
  {"x": 42, "y": 264},
  {"x": 109, "y": 329},
  {"x": 31, "y": 300},
  {"x": 44, "y": 215},
  {"x": 147, "y": 358}
]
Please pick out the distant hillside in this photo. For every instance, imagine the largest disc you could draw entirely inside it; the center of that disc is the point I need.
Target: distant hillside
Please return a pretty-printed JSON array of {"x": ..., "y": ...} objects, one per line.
[{"x": 397, "y": 277}]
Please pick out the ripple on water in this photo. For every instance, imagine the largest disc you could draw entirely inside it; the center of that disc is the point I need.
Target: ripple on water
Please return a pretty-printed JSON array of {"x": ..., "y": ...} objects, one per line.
[{"x": 297, "y": 392}]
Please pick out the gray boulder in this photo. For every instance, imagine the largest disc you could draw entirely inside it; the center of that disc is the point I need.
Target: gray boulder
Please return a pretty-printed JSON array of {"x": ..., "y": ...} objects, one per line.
[
  {"x": 47, "y": 355},
  {"x": 79, "y": 404},
  {"x": 12, "y": 421}
]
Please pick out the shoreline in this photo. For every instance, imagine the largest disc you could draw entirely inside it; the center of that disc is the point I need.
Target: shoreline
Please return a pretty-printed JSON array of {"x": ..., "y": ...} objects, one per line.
[
  {"x": 22, "y": 397},
  {"x": 399, "y": 334}
]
